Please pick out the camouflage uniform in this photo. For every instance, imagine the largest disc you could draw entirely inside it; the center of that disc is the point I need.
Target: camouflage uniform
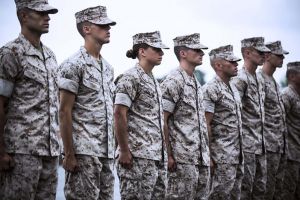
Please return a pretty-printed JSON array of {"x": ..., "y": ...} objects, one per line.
[
  {"x": 28, "y": 80},
  {"x": 92, "y": 83},
  {"x": 226, "y": 131},
  {"x": 291, "y": 101},
  {"x": 182, "y": 96},
  {"x": 140, "y": 92},
  {"x": 251, "y": 93},
  {"x": 274, "y": 129}
]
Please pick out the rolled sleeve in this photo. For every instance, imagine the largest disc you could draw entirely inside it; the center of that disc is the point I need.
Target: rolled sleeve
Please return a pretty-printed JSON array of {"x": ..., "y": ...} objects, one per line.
[
  {"x": 6, "y": 88},
  {"x": 68, "y": 84},
  {"x": 209, "y": 106},
  {"x": 168, "y": 106},
  {"x": 123, "y": 99}
]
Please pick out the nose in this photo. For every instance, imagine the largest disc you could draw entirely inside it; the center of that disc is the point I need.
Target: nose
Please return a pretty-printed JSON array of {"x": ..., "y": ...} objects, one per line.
[{"x": 161, "y": 52}]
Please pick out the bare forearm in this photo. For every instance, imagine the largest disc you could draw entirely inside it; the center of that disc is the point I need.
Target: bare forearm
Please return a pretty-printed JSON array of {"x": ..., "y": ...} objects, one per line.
[
  {"x": 167, "y": 139},
  {"x": 66, "y": 132},
  {"x": 121, "y": 132}
]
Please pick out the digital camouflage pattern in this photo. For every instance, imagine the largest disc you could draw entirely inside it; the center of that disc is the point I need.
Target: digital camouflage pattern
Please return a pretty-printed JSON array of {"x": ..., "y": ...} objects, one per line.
[
  {"x": 146, "y": 180},
  {"x": 226, "y": 126},
  {"x": 33, "y": 177},
  {"x": 294, "y": 66},
  {"x": 92, "y": 83},
  {"x": 276, "y": 48},
  {"x": 183, "y": 97},
  {"x": 187, "y": 182},
  {"x": 227, "y": 181},
  {"x": 29, "y": 79},
  {"x": 291, "y": 101},
  {"x": 153, "y": 39},
  {"x": 255, "y": 42},
  {"x": 224, "y": 52},
  {"x": 94, "y": 180},
  {"x": 291, "y": 185},
  {"x": 251, "y": 93},
  {"x": 37, "y": 5},
  {"x": 276, "y": 165},
  {"x": 190, "y": 41},
  {"x": 255, "y": 176},
  {"x": 141, "y": 93},
  {"x": 275, "y": 125},
  {"x": 95, "y": 15}
]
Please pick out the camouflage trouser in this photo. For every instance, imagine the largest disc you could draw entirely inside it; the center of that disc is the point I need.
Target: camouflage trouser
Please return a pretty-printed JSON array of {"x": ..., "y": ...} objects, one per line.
[
  {"x": 94, "y": 181},
  {"x": 291, "y": 181},
  {"x": 188, "y": 182},
  {"x": 275, "y": 171},
  {"x": 33, "y": 177},
  {"x": 183, "y": 183},
  {"x": 227, "y": 181},
  {"x": 255, "y": 176},
  {"x": 146, "y": 180}
]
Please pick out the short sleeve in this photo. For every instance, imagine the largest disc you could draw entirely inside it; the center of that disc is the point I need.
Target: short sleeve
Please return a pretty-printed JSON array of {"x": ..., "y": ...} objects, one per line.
[
  {"x": 9, "y": 69},
  {"x": 69, "y": 77},
  {"x": 210, "y": 97},
  {"x": 126, "y": 90},
  {"x": 286, "y": 101},
  {"x": 171, "y": 91}
]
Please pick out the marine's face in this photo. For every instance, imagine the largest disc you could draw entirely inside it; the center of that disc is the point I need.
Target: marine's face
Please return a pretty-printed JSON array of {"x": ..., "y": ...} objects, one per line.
[
  {"x": 276, "y": 60},
  {"x": 229, "y": 68},
  {"x": 153, "y": 55},
  {"x": 100, "y": 33},
  {"x": 257, "y": 57},
  {"x": 36, "y": 21},
  {"x": 194, "y": 56}
]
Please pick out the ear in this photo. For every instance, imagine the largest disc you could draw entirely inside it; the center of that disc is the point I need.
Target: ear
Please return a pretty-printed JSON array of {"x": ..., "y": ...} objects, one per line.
[
  {"x": 182, "y": 53},
  {"x": 142, "y": 52},
  {"x": 86, "y": 29},
  {"x": 218, "y": 65}
]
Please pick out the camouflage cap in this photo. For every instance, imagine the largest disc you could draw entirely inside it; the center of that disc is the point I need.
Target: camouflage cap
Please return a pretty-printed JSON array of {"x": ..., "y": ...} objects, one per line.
[
  {"x": 95, "y": 15},
  {"x": 276, "y": 48},
  {"x": 37, "y": 5},
  {"x": 153, "y": 39},
  {"x": 255, "y": 42},
  {"x": 190, "y": 41},
  {"x": 224, "y": 52},
  {"x": 294, "y": 66}
]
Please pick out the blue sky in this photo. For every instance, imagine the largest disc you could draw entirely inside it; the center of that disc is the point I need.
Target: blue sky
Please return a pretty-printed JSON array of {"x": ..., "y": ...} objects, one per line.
[{"x": 219, "y": 22}]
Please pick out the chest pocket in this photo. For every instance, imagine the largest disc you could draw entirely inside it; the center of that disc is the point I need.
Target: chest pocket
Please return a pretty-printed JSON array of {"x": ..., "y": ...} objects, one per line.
[
  {"x": 35, "y": 73},
  {"x": 147, "y": 98},
  {"x": 92, "y": 79}
]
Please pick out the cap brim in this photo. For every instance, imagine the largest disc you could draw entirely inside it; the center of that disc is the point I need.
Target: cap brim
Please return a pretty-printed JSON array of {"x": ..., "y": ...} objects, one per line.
[
  {"x": 232, "y": 58},
  {"x": 103, "y": 21},
  {"x": 45, "y": 8},
  {"x": 158, "y": 45},
  {"x": 281, "y": 52},
  {"x": 196, "y": 46},
  {"x": 262, "y": 49}
]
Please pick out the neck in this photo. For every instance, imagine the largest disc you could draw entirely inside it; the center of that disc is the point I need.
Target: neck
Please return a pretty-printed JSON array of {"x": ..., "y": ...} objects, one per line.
[
  {"x": 250, "y": 67},
  {"x": 93, "y": 48},
  {"x": 296, "y": 87},
  {"x": 224, "y": 78},
  {"x": 32, "y": 37},
  {"x": 147, "y": 67},
  {"x": 268, "y": 69},
  {"x": 187, "y": 67}
]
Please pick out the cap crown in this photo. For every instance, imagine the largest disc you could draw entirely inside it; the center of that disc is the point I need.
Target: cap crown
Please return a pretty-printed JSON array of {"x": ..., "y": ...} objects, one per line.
[
  {"x": 190, "y": 41},
  {"x": 276, "y": 48},
  {"x": 96, "y": 15},
  {"x": 224, "y": 52},
  {"x": 151, "y": 38}
]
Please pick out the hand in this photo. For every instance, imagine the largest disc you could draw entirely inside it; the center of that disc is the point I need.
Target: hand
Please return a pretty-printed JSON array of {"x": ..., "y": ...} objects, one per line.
[
  {"x": 6, "y": 162},
  {"x": 171, "y": 164},
  {"x": 125, "y": 159},
  {"x": 70, "y": 163}
]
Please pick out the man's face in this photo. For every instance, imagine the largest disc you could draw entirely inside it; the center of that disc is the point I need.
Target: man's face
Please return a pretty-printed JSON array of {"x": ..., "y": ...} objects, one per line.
[
  {"x": 194, "y": 56},
  {"x": 100, "y": 33},
  {"x": 229, "y": 68},
  {"x": 257, "y": 57},
  {"x": 37, "y": 22},
  {"x": 276, "y": 60}
]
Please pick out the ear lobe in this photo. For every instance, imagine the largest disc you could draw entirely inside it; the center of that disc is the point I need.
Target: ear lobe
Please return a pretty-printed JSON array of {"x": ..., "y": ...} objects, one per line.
[{"x": 86, "y": 29}]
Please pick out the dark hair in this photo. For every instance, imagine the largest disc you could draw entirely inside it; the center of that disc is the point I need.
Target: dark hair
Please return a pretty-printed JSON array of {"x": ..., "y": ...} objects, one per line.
[
  {"x": 80, "y": 27},
  {"x": 19, "y": 12},
  {"x": 177, "y": 50},
  {"x": 289, "y": 72},
  {"x": 133, "y": 53}
]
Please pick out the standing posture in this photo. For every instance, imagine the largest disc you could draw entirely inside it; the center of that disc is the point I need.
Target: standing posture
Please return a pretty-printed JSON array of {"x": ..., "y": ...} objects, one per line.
[
  {"x": 139, "y": 123},
  {"x": 275, "y": 126},
  {"x": 251, "y": 93},
  {"x": 184, "y": 124},
  {"x": 86, "y": 111},
  {"x": 223, "y": 116},
  {"x": 291, "y": 101},
  {"x": 29, "y": 146}
]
